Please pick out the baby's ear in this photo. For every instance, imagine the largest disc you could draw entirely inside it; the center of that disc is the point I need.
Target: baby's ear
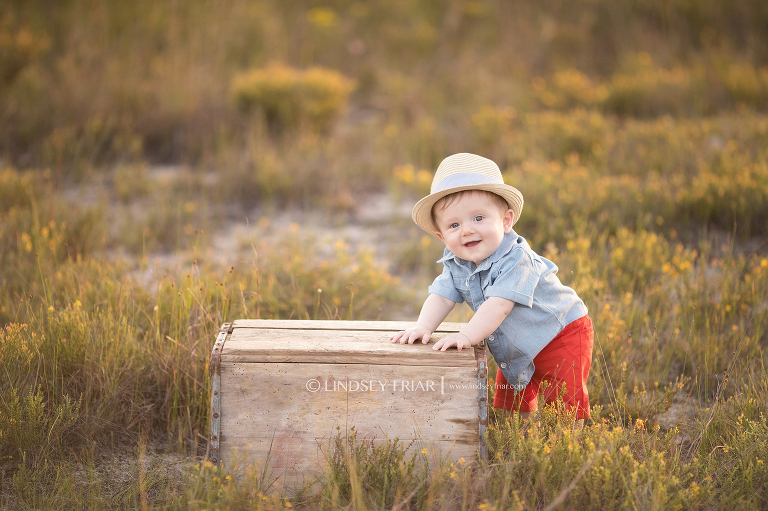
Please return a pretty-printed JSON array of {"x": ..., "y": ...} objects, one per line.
[
  {"x": 509, "y": 219},
  {"x": 440, "y": 236}
]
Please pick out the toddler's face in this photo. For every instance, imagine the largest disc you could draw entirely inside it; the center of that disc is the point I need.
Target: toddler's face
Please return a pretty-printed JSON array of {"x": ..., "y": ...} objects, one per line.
[{"x": 473, "y": 226}]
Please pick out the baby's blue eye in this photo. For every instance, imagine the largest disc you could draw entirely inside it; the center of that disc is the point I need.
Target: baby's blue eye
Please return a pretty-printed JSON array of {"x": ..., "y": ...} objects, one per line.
[
  {"x": 453, "y": 225},
  {"x": 478, "y": 218}
]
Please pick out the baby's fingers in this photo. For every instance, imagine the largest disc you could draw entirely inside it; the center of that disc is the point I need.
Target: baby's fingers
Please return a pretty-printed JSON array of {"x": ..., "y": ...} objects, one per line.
[
  {"x": 411, "y": 335},
  {"x": 397, "y": 336},
  {"x": 447, "y": 342},
  {"x": 415, "y": 334},
  {"x": 404, "y": 337}
]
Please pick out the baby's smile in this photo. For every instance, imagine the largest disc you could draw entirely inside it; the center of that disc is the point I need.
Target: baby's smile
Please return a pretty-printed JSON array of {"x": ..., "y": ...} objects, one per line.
[{"x": 473, "y": 225}]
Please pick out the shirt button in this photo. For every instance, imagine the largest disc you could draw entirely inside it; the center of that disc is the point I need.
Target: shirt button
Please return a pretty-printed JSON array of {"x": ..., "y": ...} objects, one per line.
[
  {"x": 503, "y": 365},
  {"x": 491, "y": 337},
  {"x": 472, "y": 277}
]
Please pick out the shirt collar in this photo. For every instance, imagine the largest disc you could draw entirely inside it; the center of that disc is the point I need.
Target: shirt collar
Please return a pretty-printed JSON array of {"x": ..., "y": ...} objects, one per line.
[{"x": 507, "y": 243}]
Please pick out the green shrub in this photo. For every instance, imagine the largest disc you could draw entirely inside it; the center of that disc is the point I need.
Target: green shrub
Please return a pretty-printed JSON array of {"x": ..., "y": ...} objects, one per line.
[
  {"x": 642, "y": 89},
  {"x": 746, "y": 83},
  {"x": 559, "y": 134},
  {"x": 732, "y": 194},
  {"x": 732, "y": 444},
  {"x": 569, "y": 89},
  {"x": 290, "y": 98},
  {"x": 28, "y": 426},
  {"x": 17, "y": 351}
]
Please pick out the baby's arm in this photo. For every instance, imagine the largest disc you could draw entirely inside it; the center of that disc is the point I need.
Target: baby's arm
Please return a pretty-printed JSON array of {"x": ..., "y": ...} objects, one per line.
[
  {"x": 433, "y": 312},
  {"x": 485, "y": 321}
]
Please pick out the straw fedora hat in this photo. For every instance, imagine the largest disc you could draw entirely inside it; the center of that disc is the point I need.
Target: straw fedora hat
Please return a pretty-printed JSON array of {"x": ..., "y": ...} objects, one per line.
[{"x": 465, "y": 171}]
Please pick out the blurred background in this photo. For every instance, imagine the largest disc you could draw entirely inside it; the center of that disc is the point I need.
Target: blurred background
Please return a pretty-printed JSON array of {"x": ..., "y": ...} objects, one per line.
[
  {"x": 315, "y": 104},
  {"x": 169, "y": 165},
  {"x": 158, "y": 124}
]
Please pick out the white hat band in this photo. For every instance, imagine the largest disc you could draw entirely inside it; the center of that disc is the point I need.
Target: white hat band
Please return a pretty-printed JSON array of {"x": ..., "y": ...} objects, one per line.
[{"x": 464, "y": 179}]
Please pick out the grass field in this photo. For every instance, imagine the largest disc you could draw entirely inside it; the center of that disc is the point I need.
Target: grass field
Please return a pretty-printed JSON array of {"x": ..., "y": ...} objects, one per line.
[{"x": 168, "y": 166}]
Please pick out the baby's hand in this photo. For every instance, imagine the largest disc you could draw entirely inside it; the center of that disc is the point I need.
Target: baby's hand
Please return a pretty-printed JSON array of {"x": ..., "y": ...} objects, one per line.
[
  {"x": 410, "y": 335},
  {"x": 458, "y": 339}
]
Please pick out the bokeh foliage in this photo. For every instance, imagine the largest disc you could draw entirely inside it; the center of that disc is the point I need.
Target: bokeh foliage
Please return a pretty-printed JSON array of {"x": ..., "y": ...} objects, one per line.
[{"x": 130, "y": 131}]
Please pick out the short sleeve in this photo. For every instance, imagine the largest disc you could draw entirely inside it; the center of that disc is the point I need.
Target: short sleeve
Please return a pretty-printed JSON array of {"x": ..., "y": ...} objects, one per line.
[
  {"x": 514, "y": 277},
  {"x": 443, "y": 286}
]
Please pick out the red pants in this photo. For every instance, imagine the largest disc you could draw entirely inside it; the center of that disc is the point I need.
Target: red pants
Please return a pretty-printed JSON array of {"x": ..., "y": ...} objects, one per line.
[{"x": 564, "y": 361}]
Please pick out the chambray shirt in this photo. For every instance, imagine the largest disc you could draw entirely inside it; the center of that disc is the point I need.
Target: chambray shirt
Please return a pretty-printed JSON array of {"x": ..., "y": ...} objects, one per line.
[{"x": 543, "y": 306}]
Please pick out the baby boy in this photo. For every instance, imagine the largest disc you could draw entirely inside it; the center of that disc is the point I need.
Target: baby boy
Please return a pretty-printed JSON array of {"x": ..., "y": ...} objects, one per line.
[{"x": 536, "y": 328}]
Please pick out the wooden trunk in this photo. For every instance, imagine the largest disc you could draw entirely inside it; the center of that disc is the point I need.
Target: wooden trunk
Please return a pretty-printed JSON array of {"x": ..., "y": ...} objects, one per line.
[{"x": 282, "y": 390}]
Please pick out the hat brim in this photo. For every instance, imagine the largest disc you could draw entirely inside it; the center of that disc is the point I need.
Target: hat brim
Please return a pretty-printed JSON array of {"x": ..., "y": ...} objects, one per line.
[{"x": 422, "y": 211}]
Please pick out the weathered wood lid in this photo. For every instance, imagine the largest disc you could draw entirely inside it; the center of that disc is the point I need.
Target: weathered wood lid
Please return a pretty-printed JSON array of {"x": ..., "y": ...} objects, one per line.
[{"x": 336, "y": 342}]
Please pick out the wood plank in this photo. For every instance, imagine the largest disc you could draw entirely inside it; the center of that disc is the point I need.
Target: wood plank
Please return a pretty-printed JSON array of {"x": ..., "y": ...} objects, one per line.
[
  {"x": 395, "y": 400},
  {"x": 336, "y": 346},
  {"x": 296, "y": 324},
  {"x": 272, "y": 405}
]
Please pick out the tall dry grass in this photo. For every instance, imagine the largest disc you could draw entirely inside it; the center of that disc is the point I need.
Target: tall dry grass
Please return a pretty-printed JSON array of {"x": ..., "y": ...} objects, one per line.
[{"x": 636, "y": 133}]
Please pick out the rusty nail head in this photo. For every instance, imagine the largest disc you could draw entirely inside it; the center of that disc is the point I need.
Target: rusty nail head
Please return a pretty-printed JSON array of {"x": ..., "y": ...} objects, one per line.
[{"x": 215, "y": 415}]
